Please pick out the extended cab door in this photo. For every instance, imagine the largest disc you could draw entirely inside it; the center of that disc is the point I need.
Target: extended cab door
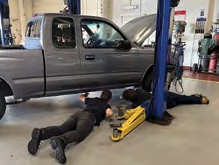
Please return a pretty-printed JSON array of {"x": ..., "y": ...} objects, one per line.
[
  {"x": 101, "y": 61},
  {"x": 61, "y": 55}
]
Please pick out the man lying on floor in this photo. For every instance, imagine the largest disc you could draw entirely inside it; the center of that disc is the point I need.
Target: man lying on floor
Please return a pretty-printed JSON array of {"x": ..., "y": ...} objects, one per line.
[
  {"x": 139, "y": 96},
  {"x": 76, "y": 128}
]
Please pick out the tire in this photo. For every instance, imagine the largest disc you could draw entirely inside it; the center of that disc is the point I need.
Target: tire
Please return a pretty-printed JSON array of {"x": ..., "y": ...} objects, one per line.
[
  {"x": 2, "y": 106},
  {"x": 147, "y": 83},
  {"x": 195, "y": 68}
]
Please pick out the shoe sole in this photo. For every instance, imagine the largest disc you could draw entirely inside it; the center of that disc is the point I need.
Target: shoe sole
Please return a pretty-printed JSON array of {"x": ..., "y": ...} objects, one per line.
[
  {"x": 59, "y": 153},
  {"x": 32, "y": 145}
]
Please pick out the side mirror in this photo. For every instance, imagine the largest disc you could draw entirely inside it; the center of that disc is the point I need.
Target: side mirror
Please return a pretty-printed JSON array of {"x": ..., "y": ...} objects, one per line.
[
  {"x": 65, "y": 2},
  {"x": 124, "y": 44}
]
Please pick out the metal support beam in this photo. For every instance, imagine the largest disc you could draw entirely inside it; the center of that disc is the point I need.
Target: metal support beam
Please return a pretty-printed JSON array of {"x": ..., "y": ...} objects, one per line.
[
  {"x": 70, "y": 6},
  {"x": 160, "y": 64},
  {"x": 1, "y": 25},
  {"x": 74, "y": 6}
]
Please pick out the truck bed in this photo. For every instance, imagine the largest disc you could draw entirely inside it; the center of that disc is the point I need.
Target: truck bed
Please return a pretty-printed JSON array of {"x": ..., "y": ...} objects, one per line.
[{"x": 11, "y": 47}]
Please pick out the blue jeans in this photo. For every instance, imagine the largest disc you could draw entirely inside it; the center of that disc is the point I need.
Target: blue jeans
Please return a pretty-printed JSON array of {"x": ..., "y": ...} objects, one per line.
[{"x": 174, "y": 100}]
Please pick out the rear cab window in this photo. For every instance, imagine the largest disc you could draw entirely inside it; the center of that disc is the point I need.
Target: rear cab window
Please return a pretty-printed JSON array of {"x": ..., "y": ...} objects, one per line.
[
  {"x": 63, "y": 33},
  {"x": 33, "y": 29}
]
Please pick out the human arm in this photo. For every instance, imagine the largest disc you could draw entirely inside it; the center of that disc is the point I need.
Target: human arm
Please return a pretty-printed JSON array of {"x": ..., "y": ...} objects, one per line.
[
  {"x": 109, "y": 113},
  {"x": 83, "y": 97}
]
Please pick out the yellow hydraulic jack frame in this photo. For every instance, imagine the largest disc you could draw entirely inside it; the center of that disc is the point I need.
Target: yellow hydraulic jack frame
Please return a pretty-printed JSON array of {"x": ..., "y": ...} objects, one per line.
[{"x": 133, "y": 117}]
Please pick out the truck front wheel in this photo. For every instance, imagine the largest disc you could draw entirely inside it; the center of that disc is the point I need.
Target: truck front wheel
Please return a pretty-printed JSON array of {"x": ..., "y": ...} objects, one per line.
[
  {"x": 147, "y": 83},
  {"x": 2, "y": 105}
]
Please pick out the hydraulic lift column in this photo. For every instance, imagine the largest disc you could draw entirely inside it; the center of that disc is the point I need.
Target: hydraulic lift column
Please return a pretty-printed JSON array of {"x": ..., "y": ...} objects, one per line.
[
  {"x": 159, "y": 98},
  {"x": 74, "y": 6}
]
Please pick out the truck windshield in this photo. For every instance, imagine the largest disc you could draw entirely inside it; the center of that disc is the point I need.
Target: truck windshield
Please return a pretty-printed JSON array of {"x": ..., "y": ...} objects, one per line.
[{"x": 100, "y": 34}]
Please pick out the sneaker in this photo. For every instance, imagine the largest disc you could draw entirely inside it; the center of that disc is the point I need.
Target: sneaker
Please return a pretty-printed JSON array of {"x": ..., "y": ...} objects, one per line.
[
  {"x": 58, "y": 146},
  {"x": 205, "y": 100},
  {"x": 34, "y": 143}
]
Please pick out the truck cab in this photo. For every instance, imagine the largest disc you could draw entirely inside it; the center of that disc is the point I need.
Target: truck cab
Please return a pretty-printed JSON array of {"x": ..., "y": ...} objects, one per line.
[{"x": 85, "y": 52}]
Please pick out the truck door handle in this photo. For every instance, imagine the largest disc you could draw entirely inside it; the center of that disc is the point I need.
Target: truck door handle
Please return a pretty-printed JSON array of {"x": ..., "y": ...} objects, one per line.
[{"x": 90, "y": 57}]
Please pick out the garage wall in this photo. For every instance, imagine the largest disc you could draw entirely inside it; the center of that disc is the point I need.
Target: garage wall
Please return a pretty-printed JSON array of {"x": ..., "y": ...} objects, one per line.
[
  {"x": 121, "y": 16},
  {"x": 102, "y": 8},
  {"x": 47, "y": 6},
  {"x": 193, "y": 8},
  {"x": 24, "y": 9}
]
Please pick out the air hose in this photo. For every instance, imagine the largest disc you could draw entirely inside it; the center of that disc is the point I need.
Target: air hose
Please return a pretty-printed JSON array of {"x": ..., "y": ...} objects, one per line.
[{"x": 179, "y": 66}]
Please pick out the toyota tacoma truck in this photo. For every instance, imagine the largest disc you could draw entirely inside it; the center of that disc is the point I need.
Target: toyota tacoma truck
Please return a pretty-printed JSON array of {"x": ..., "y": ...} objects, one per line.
[{"x": 66, "y": 54}]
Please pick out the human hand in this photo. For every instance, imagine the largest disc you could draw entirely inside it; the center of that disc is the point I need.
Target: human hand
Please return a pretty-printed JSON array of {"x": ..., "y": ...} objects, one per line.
[{"x": 86, "y": 94}]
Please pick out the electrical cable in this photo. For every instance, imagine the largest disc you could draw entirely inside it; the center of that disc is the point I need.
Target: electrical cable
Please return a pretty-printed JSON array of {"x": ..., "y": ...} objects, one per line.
[{"x": 179, "y": 70}]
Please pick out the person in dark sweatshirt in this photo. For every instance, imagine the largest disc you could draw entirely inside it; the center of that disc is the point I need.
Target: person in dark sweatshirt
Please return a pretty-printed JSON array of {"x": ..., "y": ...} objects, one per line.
[
  {"x": 76, "y": 128},
  {"x": 139, "y": 96}
]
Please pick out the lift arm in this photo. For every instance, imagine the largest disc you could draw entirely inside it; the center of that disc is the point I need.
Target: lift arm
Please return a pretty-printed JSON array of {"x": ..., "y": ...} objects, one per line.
[{"x": 134, "y": 117}]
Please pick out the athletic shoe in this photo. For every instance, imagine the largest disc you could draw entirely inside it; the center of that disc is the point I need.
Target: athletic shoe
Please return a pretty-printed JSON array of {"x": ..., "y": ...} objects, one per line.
[
  {"x": 205, "y": 100},
  {"x": 34, "y": 143},
  {"x": 58, "y": 146}
]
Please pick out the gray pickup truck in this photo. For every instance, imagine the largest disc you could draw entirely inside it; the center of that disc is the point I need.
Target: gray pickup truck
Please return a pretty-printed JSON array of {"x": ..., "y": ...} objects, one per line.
[{"x": 67, "y": 54}]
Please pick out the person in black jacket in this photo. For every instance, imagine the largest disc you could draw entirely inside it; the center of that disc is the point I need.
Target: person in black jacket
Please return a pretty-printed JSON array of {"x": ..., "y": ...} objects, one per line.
[
  {"x": 76, "y": 128},
  {"x": 138, "y": 96}
]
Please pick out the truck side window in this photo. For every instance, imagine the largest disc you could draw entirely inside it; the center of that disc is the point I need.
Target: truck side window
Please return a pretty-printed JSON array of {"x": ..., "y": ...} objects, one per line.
[
  {"x": 27, "y": 34},
  {"x": 33, "y": 29},
  {"x": 63, "y": 33},
  {"x": 100, "y": 34}
]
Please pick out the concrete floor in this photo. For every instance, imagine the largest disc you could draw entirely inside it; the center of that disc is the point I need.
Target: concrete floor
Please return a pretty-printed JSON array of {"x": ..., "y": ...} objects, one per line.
[{"x": 191, "y": 139}]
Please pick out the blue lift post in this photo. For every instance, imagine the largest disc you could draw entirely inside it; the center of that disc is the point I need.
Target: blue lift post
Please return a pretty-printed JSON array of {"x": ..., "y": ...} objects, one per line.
[
  {"x": 1, "y": 25},
  {"x": 5, "y": 29},
  {"x": 160, "y": 61},
  {"x": 1, "y": 21},
  {"x": 74, "y": 6}
]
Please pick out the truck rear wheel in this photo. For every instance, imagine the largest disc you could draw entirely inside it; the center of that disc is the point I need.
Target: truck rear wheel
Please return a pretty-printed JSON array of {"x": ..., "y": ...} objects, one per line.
[{"x": 2, "y": 105}]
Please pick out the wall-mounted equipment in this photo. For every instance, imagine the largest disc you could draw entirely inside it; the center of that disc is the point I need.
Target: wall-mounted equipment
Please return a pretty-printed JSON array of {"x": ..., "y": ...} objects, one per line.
[
  {"x": 130, "y": 7},
  {"x": 180, "y": 26},
  {"x": 175, "y": 3},
  {"x": 200, "y": 25}
]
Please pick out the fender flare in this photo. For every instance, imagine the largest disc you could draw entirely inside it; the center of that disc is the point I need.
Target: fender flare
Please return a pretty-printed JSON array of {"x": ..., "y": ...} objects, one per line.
[
  {"x": 7, "y": 82},
  {"x": 148, "y": 70}
]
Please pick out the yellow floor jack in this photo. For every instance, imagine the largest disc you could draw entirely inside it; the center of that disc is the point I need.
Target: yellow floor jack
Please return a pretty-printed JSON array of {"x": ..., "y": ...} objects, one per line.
[{"x": 133, "y": 117}]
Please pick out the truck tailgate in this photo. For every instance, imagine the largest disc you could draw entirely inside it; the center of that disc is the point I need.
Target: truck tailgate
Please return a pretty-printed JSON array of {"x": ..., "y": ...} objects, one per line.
[{"x": 24, "y": 71}]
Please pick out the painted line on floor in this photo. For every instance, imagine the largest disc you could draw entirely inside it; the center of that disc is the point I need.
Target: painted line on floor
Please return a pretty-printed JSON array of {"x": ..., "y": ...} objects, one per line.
[{"x": 202, "y": 80}]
